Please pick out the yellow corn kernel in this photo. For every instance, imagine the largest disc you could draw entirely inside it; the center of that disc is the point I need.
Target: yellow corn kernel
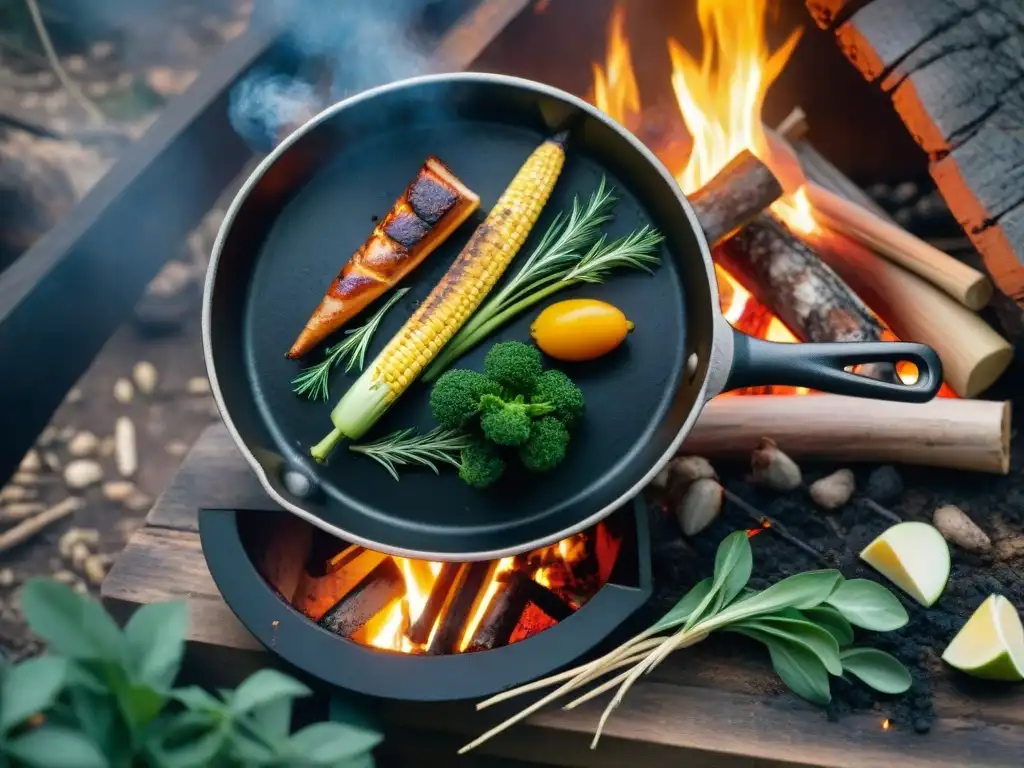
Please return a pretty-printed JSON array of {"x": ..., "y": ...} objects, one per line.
[{"x": 463, "y": 288}]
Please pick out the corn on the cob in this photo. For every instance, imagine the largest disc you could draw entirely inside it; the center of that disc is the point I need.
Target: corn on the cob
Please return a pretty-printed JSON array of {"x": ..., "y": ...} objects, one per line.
[{"x": 464, "y": 286}]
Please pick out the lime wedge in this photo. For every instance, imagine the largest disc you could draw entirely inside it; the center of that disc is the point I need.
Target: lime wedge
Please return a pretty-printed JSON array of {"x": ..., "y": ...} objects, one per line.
[
  {"x": 991, "y": 643},
  {"x": 914, "y": 557}
]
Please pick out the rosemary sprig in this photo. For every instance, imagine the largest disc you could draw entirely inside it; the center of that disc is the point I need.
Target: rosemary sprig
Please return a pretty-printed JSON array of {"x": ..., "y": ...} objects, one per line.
[
  {"x": 806, "y": 621},
  {"x": 406, "y": 446},
  {"x": 312, "y": 382},
  {"x": 572, "y": 251}
]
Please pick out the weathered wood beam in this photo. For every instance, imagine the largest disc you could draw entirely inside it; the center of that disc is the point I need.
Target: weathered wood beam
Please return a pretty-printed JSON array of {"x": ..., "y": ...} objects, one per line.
[{"x": 955, "y": 72}]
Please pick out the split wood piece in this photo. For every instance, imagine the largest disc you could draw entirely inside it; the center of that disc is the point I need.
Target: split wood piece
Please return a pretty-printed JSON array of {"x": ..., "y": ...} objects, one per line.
[
  {"x": 503, "y": 613},
  {"x": 947, "y": 432},
  {"x": 440, "y": 595},
  {"x": 973, "y": 355},
  {"x": 316, "y": 595},
  {"x": 33, "y": 525},
  {"x": 547, "y": 600},
  {"x": 786, "y": 276},
  {"x": 373, "y": 594},
  {"x": 739, "y": 192},
  {"x": 955, "y": 73},
  {"x": 964, "y": 283},
  {"x": 469, "y": 590}
]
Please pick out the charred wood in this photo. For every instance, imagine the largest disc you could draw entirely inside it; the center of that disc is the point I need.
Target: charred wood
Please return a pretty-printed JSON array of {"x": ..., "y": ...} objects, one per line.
[
  {"x": 419, "y": 632},
  {"x": 372, "y": 595},
  {"x": 738, "y": 193},
  {"x": 468, "y": 591}
]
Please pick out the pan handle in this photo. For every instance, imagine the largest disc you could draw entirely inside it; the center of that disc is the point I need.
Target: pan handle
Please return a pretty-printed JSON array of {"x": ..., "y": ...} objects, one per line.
[{"x": 822, "y": 367}]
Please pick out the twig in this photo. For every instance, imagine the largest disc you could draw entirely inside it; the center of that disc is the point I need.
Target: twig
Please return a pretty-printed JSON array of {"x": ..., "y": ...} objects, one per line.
[
  {"x": 878, "y": 509},
  {"x": 58, "y": 69},
  {"x": 776, "y": 526},
  {"x": 28, "y": 528}
]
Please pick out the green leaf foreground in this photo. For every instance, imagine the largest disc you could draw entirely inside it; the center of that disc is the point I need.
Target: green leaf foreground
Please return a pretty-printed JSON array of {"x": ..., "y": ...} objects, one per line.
[
  {"x": 312, "y": 383},
  {"x": 106, "y": 699},
  {"x": 805, "y": 621},
  {"x": 407, "y": 446},
  {"x": 572, "y": 251}
]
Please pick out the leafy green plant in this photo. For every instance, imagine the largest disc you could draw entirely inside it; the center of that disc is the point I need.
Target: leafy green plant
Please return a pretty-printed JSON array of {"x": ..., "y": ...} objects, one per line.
[
  {"x": 105, "y": 698},
  {"x": 805, "y": 621}
]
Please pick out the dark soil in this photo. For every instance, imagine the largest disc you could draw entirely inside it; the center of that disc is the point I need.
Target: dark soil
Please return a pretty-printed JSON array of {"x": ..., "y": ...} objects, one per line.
[{"x": 996, "y": 504}]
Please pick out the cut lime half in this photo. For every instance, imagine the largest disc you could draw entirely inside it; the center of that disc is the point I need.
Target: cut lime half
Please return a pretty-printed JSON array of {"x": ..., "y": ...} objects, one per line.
[
  {"x": 914, "y": 557},
  {"x": 991, "y": 643}
]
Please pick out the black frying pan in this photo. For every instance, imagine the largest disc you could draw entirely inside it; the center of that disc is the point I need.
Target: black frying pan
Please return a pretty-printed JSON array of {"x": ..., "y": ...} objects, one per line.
[{"x": 312, "y": 202}]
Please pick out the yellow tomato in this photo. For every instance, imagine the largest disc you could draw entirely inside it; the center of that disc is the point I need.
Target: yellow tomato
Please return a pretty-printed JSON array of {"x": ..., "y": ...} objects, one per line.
[{"x": 579, "y": 329}]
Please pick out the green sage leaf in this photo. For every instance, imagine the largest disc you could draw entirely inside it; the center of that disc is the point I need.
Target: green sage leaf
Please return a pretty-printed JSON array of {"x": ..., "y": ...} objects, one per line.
[
  {"x": 832, "y": 621},
  {"x": 196, "y": 753},
  {"x": 802, "y": 591},
  {"x": 801, "y": 670},
  {"x": 195, "y": 698},
  {"x": 273, "y": 719},
  {"x": 330, "y": 743},
  {"x": 30, "y": 687},
  {"x": 263, "y": 687},
  {"x": 869, "y": 605},
  {"x": 877, "y": 669},
  {"x": 801, "y": 632},
  {"x": 98, "y": 718},
  {"x": 54, "y": 746},
  {"x": 154, "y": 640},
  {"x": 732, "y": 553},
  {"x": 74, "y": 626},
  {"x": 252, "y": 752},
  {"x": 682, "y": 610}
]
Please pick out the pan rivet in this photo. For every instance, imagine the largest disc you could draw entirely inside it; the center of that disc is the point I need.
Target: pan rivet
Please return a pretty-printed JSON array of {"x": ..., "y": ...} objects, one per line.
[
  {"x": 691, "y": 366},
  {"x": 297, "y": 483}
]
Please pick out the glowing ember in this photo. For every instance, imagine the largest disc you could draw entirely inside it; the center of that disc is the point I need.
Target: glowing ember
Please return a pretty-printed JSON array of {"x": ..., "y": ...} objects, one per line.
[{"x": 886, "y": 724}]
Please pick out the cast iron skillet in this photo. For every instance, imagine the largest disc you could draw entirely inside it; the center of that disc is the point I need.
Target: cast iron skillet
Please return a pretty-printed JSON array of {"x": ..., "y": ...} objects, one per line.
[{"x": 313, "y": 201}]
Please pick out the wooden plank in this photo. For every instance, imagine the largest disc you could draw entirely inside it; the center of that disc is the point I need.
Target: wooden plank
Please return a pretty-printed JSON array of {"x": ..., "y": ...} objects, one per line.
[
  {"x": 717, "y": 704},
  {"x": 954, "y": 70}
]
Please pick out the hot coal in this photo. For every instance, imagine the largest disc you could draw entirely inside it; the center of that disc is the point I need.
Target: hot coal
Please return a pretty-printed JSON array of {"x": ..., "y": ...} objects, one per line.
[{"x": 996, "y": 504}]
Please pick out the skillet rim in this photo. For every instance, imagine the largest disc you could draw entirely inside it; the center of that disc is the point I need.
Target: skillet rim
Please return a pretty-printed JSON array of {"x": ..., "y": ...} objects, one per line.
[{"x": 715, "y": 370}]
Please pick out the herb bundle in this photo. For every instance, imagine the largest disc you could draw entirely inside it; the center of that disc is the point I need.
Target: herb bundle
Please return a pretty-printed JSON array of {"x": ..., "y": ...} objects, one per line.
[
  {"x": 407, "y": 446},
  {"x": 572, "y": 251},
  {"x": 806, "y": 622},
  {"x": 312, "y": 382}
]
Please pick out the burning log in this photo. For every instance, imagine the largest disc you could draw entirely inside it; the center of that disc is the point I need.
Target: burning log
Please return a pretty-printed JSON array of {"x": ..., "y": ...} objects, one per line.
[
  {"x": 973, "y": 355},
  {"x": 515, "y": 591},
  {"x": 738, "y": 193},
  {"x": 419, "y": 632},
  {"x": 469, "y": 590},
  {"x": 947, "y": 432},
  {"x": 785, "y": 275},
  {"x": 382, "y": 586},
  {"x": 316, "y": 595}
]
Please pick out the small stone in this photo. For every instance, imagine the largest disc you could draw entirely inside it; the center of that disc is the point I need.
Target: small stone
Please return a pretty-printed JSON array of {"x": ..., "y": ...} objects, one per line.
[
  {"x": 772, "y": 468},
  {"x": 79, "y": 554},
  {"x": 833, "y": 491},
  {"x": 699, "y": 506},
  {"x": 80, "y": 587},
  {"x": 51, "y": 460},
  {"x": 21, "y": 510},
  {"x": 957, "y": 527},
  {"x": 74, "y": 396},
  {"x": 118, "y": 490},
  {"x": 145, "y": 376},
  {"x": 126, "y": 455},
  {"x": 65, "y": 576},
  {"x": 659, "y": 483},
  {"x": 198, "y": 385},
  {"x": 684, "y": 470},
  {"x": 885, "y": 484},
  {"x": 75, "y": 64},
  {"x": 138, "y": 502},
  {"x": 83, "y": 444},
  {"x": 169, "y": 82},
  {"x": 178, "y": 448},
  {"x": 95, "y": 568},
  {"x": 123, "y": 391},
  {"x": 922, "y": 725},
  {"x": 13, "y": 493},
  {"x": 81, "y": 473},
  {"x": 31, "y": 462},
  {"x": 72, "y": 537},
  {"x": 25, "y": 478},
  {"x": 7, "y": 578}
]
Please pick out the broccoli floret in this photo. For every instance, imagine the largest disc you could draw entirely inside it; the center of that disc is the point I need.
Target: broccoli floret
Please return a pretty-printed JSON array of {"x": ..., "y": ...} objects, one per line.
[
  {"x": 507, "y": 422},
  {"x": 481, "y": 465},
  {"x": 565, "y": 397},
  {"x": 455, "y": 398},
  {"x": 545, "y": 448},
  {"x": 514, "y": 365}
]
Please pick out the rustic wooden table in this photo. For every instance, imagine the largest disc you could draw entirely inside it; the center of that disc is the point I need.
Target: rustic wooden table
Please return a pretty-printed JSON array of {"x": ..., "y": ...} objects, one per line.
[{"x": 706, "y": 707}]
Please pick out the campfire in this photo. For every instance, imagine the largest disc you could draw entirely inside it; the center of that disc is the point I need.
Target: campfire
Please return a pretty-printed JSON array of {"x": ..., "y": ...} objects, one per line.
[
  {"x": 800, "y": 271},
  {"x": 419, "y": 607}
]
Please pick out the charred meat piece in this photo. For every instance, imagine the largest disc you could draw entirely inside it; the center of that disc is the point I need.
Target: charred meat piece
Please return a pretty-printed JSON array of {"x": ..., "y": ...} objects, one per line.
[{"x": 428, "y": 211}]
